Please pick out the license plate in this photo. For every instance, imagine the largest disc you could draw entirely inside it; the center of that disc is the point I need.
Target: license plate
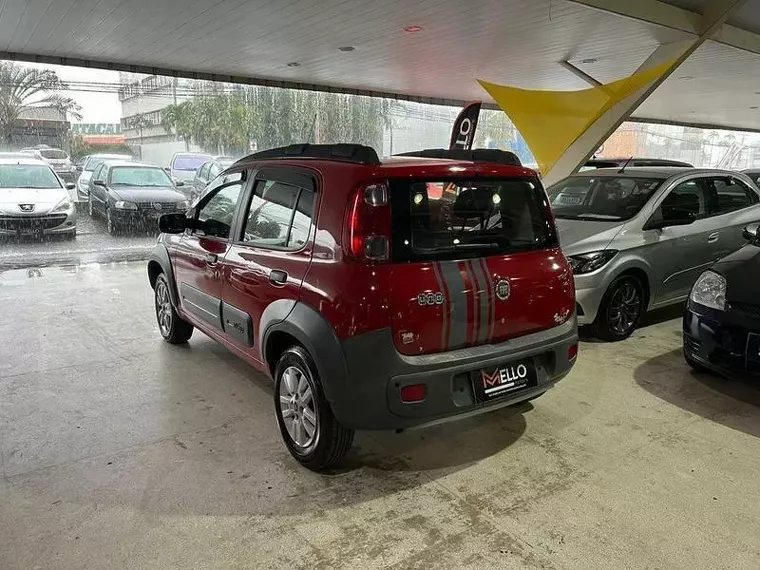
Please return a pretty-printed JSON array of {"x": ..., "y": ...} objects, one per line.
[
  {"x": 490, "y": 383},
  {"x": 753, "y": 347}
]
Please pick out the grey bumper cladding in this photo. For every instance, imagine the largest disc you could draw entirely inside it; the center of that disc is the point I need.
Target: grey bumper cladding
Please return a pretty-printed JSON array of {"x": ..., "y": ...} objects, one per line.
[{"x": 370, "y": 396}]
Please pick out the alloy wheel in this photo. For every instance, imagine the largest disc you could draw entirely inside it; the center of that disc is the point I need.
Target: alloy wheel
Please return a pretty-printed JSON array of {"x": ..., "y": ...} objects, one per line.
[
  {"x": 163, "y": 308},
  {"x": 624, "y": 308},
  {"x": 298, "y": 408}
]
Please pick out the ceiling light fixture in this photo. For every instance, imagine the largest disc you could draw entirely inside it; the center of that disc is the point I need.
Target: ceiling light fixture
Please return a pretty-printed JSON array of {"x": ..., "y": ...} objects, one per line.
[
  {"x": 293, "y": 64},
  {"x": 753, "y": 107},
  {"x": 412, "y": 29},
  {"x": 686, "y": 78},
  {"x": 346, "y": 48},
  {"x": 589, "y": 60}
]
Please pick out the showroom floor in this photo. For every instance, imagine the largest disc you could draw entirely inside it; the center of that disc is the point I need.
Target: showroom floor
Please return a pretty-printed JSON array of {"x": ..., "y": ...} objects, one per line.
[{"x": 121, "y": 451}]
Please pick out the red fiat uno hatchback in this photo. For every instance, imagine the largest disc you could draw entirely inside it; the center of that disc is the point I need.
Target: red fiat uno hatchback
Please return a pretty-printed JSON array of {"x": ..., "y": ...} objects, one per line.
[{"x": 377, "y": 294}]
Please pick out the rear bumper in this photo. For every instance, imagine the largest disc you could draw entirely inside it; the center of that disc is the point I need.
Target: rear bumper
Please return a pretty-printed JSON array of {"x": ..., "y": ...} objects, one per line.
[
  {"x": 726, "y": 342},
  {"x": 376, "y": 373}
]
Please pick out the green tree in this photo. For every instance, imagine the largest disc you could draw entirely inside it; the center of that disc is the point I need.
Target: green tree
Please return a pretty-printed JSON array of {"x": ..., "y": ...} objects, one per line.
[
  {"x": 177, "y": 119},
  {"x": 22, "y": 89}
]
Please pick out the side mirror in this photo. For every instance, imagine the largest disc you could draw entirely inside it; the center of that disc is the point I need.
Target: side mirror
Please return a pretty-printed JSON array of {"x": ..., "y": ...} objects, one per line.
[
  {"x": 750, "y": 232},
  {"x": 98, "y": 183},
  {"x": 79, "y": 168},
  {"x": 70, "y": 186},
  {"x": 178, "y": 183},
  {"x": 174, "y": 223},
  {"x": 168, "y": 169}
]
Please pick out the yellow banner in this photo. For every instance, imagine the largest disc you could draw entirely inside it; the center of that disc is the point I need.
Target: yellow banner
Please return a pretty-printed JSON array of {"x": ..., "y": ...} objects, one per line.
[{"x": 550, "y": 121}]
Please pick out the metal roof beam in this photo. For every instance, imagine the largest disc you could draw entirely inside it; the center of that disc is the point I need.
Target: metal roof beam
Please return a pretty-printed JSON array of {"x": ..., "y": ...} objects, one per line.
[{"x": 675, "y": 18}]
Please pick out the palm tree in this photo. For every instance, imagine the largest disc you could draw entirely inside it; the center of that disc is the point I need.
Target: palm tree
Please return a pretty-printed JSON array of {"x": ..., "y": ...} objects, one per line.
[
  {"x": 177, "y": 119},
  {"x": 24, "y": 88}
]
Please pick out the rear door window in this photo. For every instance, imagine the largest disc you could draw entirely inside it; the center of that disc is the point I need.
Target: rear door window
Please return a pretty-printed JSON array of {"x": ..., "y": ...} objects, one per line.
[
  {"x": 279, "y": 215},
  {"x": 447, "y": 219},
  {"x": 727, "y": 194}
]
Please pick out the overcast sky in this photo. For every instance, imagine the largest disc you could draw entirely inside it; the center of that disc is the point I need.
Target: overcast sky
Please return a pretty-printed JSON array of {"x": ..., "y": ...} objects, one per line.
[{"x": 96, "y": 107}]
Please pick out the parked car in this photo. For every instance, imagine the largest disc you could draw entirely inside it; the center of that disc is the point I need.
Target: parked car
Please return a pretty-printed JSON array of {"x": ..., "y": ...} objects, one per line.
[
  {"x": 378, "y": 295},
  {"x": 638, "y": 239},
  {"x": 132, "y": 195},
  {"x": 593, "y": 163},
  {"x": 183, "y": 167},
  {"x": 88, "y": 166},
  {"x": 58, "y": 159},
  {"x": 33, "y": 200},
  {"x": 207, "y": 172},
  {"x": 721, "y": 326}
]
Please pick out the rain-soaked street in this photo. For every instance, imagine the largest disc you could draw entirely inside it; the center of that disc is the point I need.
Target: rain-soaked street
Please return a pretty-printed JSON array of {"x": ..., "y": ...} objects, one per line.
[{"x": 92, "y": 244}]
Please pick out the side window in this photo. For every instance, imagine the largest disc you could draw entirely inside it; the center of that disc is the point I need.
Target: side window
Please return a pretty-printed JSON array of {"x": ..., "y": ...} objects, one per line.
[
  {"x": 279, "y": 215},
  {"x": 203, "y": 171},
  {"x": 727, "y": 194},
  {"x": 687, "y": 200},
  {"x": 214, "y": 170},
  {"x": 219, "y": 211}
]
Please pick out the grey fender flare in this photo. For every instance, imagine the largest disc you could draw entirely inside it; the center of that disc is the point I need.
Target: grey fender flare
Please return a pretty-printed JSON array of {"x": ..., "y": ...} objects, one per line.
[
  {"x": 318, "y": 337},
  {"x": 159, "y": 262}
]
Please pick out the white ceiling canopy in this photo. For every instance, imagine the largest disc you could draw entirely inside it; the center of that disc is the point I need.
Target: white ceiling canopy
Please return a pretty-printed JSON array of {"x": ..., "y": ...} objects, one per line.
[{"x": 427, "y": 50}]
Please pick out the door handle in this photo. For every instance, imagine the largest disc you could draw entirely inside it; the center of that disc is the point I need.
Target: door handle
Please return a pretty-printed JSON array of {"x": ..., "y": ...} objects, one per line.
[
  {"x": 713, "y": 237},
  {"x": 211, "y": 258},
  {"x": 278, "y": 277}
]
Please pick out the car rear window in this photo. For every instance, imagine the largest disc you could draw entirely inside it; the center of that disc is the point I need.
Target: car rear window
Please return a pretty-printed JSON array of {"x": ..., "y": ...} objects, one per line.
[
  {"x": 188, "y": 161},
  {"x": 456, "y": 219},
  {"x": 54, "y": 154}
]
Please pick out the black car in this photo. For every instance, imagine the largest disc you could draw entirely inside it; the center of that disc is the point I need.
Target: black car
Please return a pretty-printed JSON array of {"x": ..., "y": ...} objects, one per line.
[
  {"x": 721, "y": 327},
  {"x": 132, "y": 195}
]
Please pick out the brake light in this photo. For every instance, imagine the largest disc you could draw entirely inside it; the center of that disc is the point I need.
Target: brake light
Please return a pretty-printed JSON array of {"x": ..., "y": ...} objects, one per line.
[{"x": 368, "y": 226}]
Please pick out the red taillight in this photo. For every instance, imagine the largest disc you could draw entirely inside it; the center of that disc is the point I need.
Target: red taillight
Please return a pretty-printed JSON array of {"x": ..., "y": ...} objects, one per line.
[
  {"x": 572, "y": 351},
  {"x": 413, "y": 393},
  {"x": 368, "y": 226}
]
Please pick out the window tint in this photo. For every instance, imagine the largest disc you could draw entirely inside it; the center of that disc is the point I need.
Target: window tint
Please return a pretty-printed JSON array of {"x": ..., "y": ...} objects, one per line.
[
  {"x": 457, "y": 219},
  {"x": 727, "y": 194},
  {"x": 270, "y": 214},
  {"x": 687, "y": 200},
  {"x": 218, "y": 212},
  {"x": 299, "y": 231}
]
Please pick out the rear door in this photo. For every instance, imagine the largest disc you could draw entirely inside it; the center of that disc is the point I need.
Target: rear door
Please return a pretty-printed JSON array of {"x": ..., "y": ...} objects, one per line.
[
  {"x": 199, "y": 254},
  {"x": 98, "y": 193},
  {"x": 733, "y": 204},
  {"x": 474, "y": 262},
  {"x": 271, "y": 253}
]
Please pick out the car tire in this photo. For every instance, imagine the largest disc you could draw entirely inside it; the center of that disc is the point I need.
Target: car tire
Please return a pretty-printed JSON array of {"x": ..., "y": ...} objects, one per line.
[
  {"x": 620, "y": 310},
  {"x": 309, "y": 429},
  {"x": 111, "y": 226},
  {"x": 172, "y": 327}
]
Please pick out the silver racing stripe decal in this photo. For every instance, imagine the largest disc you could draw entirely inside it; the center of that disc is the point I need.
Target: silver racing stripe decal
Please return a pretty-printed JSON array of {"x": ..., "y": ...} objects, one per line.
[
  {"x": 446, "y": 325},
  {"x": 491, "y": 299},
  {"x": 457, "y": 303},
  {"x": 482, "y": 298}
]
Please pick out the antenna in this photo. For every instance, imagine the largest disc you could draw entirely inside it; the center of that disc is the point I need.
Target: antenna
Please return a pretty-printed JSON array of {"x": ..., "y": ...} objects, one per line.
[
  {"x": 622, "y": 168},
  {"x": 311, "y": 132}
]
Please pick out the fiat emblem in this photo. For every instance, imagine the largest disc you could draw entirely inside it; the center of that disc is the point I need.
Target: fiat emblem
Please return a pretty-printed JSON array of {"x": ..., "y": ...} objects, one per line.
[{"x": 503, "y": 289}]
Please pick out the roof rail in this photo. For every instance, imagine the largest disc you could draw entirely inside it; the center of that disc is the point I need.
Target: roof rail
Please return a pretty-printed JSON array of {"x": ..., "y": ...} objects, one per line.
[
  {"x": 475, "y": 155},
  {"x": 343, "y": 152}
]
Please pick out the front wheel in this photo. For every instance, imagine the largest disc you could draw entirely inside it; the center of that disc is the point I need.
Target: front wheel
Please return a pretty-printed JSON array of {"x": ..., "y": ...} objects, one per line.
[
  {"x": 173, "y": 328},
  {"x": 111, "y": 226},
  {"x": 311, "y": 432},
  {"x": 620, "y": 310}
]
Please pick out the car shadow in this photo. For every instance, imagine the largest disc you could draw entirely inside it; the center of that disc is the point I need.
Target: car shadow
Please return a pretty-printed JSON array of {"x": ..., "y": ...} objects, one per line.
[{"x": 732, "y": 403}]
